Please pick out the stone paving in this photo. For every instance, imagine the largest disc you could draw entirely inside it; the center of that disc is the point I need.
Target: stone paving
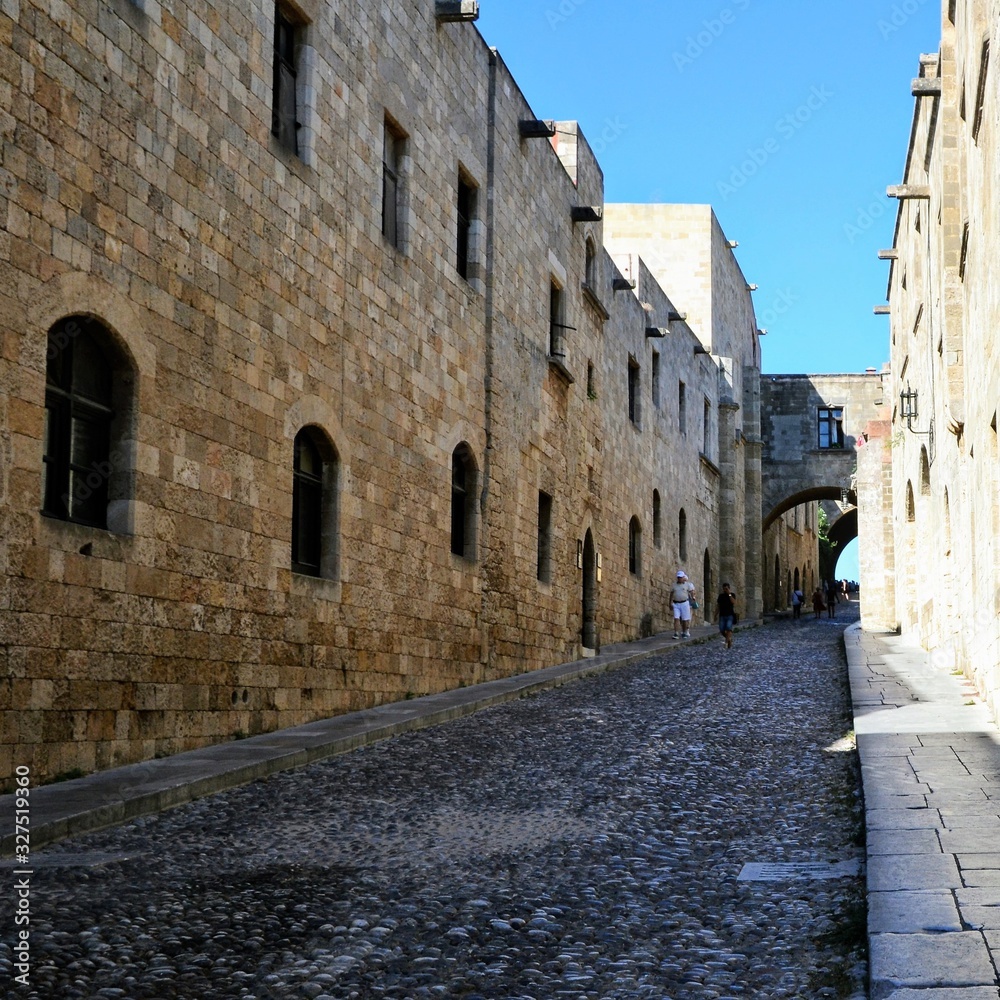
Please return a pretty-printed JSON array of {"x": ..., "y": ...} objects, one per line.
[
  {"x": 586, "y": 842},
  {"x": 930, "y": 758}
]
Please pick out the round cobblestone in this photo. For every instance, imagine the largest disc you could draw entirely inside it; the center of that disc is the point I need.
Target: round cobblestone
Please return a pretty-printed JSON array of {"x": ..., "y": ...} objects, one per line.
[{"x": 581, "y": 843}]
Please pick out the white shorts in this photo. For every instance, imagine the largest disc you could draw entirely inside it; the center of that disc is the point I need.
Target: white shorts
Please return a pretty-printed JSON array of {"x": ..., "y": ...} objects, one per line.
[{"x": 683, "y": 611}]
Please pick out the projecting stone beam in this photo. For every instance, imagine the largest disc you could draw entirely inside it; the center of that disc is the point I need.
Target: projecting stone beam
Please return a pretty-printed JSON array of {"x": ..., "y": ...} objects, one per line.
[
  {"x": 904, "y": 191},
  {"x": 892, "y": 254},
  {"x": 927, "y": 86},
  {"x": 881, "y": 310},
  {"x": 456, "y": 10},
  {"x": 536, "y": 128}
]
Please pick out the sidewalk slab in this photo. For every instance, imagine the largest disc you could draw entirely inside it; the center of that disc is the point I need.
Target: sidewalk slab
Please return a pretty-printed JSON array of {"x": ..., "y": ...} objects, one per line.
[
  {"x": 929, "y": 960},
  {"x": 913, "y": 913},
  {"x": 932, "y": 829}
]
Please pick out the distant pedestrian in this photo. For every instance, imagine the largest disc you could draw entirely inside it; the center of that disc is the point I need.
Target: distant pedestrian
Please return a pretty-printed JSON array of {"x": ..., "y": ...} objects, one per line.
[
  {"x": 845, "y": 592},
  {"x": 831, "y": 599},
  {"x": 797, "y": 599},
  {"x": 681, "y": 595},
  {"x": 818, "y": 606},
  {"x": 726, "y": 604}
]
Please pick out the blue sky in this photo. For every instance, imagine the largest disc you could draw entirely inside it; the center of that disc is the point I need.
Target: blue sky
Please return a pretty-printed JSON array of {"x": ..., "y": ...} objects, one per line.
[{"x": 789, "y": 117}]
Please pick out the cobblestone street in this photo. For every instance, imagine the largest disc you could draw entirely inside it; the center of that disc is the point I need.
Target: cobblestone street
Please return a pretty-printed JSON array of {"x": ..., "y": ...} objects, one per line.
[{"x": 584, "y": 843}]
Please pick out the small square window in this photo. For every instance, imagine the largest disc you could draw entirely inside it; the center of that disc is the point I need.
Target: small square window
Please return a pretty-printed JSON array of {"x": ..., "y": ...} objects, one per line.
[{"x": 831, "y": 427}]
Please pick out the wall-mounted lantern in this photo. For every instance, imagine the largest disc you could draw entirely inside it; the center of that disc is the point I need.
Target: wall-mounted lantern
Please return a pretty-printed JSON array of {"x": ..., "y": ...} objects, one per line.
[{"x": 908, "y": 406}]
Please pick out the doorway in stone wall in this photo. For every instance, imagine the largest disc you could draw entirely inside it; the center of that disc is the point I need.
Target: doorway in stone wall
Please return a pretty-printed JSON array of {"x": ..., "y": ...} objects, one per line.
[{"x": 589, "y": 638}]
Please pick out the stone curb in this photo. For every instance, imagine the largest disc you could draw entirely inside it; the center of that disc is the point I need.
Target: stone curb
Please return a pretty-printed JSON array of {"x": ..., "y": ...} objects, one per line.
[{"x": 106, "y": 798}]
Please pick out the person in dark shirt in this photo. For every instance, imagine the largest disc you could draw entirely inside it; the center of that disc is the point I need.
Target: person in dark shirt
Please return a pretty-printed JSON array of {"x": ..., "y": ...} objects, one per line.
[{"x": 726, "y": 603}]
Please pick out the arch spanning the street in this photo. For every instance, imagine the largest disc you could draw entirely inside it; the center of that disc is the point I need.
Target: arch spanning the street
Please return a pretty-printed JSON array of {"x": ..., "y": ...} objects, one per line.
[{"x": 807, "y": 495}]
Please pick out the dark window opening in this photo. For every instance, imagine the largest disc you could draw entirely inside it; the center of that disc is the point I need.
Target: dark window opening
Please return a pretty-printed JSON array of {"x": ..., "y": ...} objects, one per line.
[
  {"x": 307, "y": 506},
  {"x": 557, "y": 325},
  {"x": 466, "y": 209},
  {"x": 682, "y": 407},
  {"x": 76, "y": 459},
  {"x": 633, "y": 391},
  {"x": 544, "y": 568},
  {"x": 984, "y": 67},
  {"x": 391, "y": 154},
  {"x": 284, "y": 112},
  {"x": 463, "y": 476},
  {"x": 634, "y": 543}
]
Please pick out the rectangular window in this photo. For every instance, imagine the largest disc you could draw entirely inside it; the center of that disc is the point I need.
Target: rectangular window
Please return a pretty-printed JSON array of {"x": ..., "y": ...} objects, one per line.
[
  {"x": 544, "y": 537},
  {"x": 831, "y": 427},
  {"x": 655, "y": 379},
  {"x": 392, "y": 146},
  {"x": 466, "y": 211},
  {"x": 984, "y": 67},
  {"x": 633, "y": 390},
  {"x": 706, "y": 429},
  {"x": 284, "y": 117},
  {"x": 557, "y": 325},
  {"x": 681, "y": 407}
]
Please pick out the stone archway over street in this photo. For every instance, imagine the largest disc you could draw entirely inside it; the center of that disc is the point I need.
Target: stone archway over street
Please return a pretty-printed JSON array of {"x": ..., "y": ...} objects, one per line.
[{"x": 811, "y": 426}]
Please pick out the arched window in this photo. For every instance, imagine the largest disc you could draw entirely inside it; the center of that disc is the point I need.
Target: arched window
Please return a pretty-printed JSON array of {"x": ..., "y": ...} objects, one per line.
[
  {"x": 86, "y": 404},
  {"x": 911, "y": 512},
  {"x": 925, "y": 473},
  {"x": 634, "y": 547},
  {"x": 314, "y": 500},
  {"x": 682, "y": 535},
  {"x": 657, "y": 522},
  {"x": 796, "y": 583},
  {"x": 463, "y": 507}
]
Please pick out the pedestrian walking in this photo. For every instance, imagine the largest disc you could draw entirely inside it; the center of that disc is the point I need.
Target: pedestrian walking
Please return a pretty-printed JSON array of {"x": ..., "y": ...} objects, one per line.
[
  {"x": 818, "y": 606},
  {"x": 682, "y": 593},
  {"x": 831, "y": 599},
  {"x": 726, "y": 604},
  {"x": 797, "y": 599}
]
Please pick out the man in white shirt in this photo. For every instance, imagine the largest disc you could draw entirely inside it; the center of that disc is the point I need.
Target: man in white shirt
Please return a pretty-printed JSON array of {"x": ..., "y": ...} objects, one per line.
[{"x": 681, "y": 594}]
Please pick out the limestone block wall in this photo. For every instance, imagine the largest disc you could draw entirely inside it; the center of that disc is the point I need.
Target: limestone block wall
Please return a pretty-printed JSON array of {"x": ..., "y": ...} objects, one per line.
[
  {"x": 790, "y": 552},
  {"x": 690, "y": 258},
  {"x": 944, "y": 313},
  {"x": 244, "y": 293}
]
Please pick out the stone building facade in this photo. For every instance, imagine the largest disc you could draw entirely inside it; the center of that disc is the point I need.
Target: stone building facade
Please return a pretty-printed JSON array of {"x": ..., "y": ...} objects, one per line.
[
  {"x": 319, "y": 387},
  {"x": 935, "y": 463}
]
